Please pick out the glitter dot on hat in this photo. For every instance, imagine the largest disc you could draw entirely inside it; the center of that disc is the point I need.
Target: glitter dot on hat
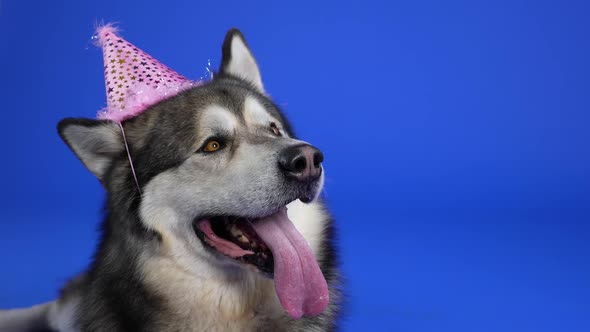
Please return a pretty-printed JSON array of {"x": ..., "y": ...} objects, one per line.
[{"x": 134, "y": 80}]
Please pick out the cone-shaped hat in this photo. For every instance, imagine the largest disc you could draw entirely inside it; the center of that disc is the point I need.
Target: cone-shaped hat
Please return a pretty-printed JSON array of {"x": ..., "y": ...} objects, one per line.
[{"x": 134, "y": 80}]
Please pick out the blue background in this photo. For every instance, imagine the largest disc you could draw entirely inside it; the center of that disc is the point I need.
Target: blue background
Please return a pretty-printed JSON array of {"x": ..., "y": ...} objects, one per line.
[{"x": 455, "y": 133}]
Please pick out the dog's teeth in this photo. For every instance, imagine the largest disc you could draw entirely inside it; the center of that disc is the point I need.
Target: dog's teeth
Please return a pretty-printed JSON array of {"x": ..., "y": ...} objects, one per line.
[
  {"x": 235, "y": 231},
  {"x": 238, "y": 234}
]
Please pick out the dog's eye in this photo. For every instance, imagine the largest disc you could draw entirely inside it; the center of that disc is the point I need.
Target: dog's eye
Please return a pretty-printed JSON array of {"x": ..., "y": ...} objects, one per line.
[
  {"x": 212, "y": 146},
  {"x": 274, "y": 130}
]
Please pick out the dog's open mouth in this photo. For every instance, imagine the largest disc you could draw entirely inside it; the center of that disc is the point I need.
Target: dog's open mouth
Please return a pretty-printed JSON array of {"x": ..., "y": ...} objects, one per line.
[
  {"x": 275, "y": 247},
  {"x": 235, "y": 237}
]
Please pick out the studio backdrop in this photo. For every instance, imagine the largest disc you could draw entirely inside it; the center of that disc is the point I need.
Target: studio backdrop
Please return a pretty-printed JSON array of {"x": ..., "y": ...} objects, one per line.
[{"x": 455, "y": 133}]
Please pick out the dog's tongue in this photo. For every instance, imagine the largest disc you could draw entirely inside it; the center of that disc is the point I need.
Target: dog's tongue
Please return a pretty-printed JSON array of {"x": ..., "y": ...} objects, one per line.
[{"x": 299, "y": 282}]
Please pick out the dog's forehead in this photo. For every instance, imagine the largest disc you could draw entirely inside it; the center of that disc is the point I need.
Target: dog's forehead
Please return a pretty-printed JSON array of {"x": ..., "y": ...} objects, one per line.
[
  {"x": 254, "y": 113},
  {"x": 217, "y": 117},
  {"x": 249, "y": 112}
]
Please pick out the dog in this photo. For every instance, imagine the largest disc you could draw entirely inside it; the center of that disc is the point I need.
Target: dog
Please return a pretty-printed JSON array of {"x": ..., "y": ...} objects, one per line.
[{"x": 227, "y": 231}]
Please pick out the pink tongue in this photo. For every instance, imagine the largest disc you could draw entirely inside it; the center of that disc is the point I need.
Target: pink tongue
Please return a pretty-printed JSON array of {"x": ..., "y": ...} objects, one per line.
[{"x": 299, "y": 282}]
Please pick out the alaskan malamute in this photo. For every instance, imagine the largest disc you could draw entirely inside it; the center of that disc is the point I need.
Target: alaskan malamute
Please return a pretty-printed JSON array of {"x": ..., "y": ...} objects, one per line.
[{"x": 227, "y": 233}]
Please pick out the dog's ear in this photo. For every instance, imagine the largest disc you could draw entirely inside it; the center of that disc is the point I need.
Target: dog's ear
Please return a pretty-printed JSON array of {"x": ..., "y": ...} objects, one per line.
[
  {"x": 95, "y": 142},
  {"x": 237, "y": 59}
]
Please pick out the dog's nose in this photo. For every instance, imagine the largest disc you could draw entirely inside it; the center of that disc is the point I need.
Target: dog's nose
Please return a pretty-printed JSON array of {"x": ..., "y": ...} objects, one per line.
[{"x": 302, "y": 162}]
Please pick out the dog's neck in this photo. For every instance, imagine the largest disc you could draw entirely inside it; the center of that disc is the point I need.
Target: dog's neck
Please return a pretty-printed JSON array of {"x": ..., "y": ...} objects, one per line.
[
  {"x": 164, "y": 275},
  {"x": 199, "y": 287},
  {"x": 236, "y": 296},
  {"x": 168, "y": 280}
]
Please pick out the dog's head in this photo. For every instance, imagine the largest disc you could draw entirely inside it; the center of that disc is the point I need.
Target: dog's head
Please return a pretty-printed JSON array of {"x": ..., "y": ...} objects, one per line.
[{"x": 215, "y": 164}]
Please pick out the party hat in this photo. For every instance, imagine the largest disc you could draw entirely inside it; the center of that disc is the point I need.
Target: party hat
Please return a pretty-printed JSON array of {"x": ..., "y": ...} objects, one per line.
[{"x": 134, "y": 80}]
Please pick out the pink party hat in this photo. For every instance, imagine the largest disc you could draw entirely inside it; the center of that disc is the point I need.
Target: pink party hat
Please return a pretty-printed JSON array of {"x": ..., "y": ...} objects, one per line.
[{"x": 134, "y": 80}]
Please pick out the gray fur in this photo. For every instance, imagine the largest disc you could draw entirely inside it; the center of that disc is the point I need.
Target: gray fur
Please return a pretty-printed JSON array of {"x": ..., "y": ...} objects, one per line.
[{"x": 29, "y": 319}]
